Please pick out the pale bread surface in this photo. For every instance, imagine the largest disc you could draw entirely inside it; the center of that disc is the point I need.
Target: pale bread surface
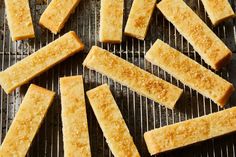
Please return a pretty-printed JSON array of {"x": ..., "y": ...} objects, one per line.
[
  {"x": 132, "y": 76},
  {"x": 111, "y": 21},
  {"x": 191, "y": 131},
  {"x": 74, "y": 117},
  {"x": 212, "y": 50},
  {"x": 139, "y": 18},
  {"x": 40, "y": 61},
  {"x": 190, "y": 72},
  {"x": 111, "y": 122},
  {"x": 57, "y": 13},
  {"x": 19, "y": 19},
  {"x": 26, "y": 122},
  {"x": 218, "y": 10}
]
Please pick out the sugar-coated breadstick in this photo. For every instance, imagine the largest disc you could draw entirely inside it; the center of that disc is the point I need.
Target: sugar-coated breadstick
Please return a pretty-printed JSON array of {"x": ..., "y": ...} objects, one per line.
[
  {"x": 212, "y": 50},
  {"x": 40, "y": 61},
  {"x": 111, "y": 122},
  {"x": 139, "y": 18},
  {"x": 191, "y": 131},
  {"x": 26, "y": 122},
  {"x": 74, "y": 117},
  {"x": 19, "y": 19},
  {"x": 111, "y": 21},
  {"x": 132, "y": 76},
  {"x": 218, "y": 10},
  {"x": 190, "y": 72},
  {"x": 57, "y": 13}
]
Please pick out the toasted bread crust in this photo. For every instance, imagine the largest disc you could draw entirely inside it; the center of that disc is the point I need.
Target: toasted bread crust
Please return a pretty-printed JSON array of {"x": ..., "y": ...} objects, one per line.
[
  {"x": 190, "y": 72},
  {"x": 111, "y": 122},
  {"x": 26, "y": 122}
]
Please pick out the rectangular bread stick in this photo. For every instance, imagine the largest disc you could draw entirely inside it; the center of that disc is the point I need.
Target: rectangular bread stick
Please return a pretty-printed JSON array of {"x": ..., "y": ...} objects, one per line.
[
  {"x": 212, "y": 50},
  {"x": 139, "y": 18},
  {"x": 111, "y": 122},
  {"x": 132, "y": 76},
  {"x": 218, "y": 10},
  {"x": 19, "y": 19},
  {"x": 74, "y": 117},
  {"x": 190, "y": 72},
  {"x": 40, "y": 61},
  {"x": 191, "y": 131},
  {"x": 26, "y": 122},
  {"x": 111, "y": 21},
  {"x": 57, "y": 13}
]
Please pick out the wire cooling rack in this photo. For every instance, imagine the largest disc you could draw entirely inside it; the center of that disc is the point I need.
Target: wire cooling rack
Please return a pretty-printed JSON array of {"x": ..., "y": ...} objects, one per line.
[{"x": 140, "y": 113}]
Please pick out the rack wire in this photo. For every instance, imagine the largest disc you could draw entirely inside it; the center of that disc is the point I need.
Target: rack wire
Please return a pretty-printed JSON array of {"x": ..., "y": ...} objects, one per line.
[{"x": 140, "y": 113}]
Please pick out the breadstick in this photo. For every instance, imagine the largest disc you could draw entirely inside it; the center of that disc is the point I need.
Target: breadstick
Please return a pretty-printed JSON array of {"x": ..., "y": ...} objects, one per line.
[
  {"x": 212, "y": 50},
  {"x": 57, "y": 13},
  {"x": 190, "y": 72},
  {"x": 111, "y": 21},
  {"x": 19, "y": 19},
  {"x": 132, "y": 76},
  {"x": 111, "y": 122},
  {"x": 218, "y": 10},
  {"x": 74, "y": 117},
  {"x": 139, "y": 18},
  {"x": 191, "y": 131},
  {"x": 26, "y": 122},
  {"x": 40, "y": 61}
]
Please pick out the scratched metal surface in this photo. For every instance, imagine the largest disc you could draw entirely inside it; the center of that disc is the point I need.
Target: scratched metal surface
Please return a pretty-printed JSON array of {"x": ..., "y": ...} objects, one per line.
[{"x": 140, "y": 113}]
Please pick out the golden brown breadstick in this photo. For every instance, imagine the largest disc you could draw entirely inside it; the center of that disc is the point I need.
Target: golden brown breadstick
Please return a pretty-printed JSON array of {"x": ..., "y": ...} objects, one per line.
[
  {"x": 26, "y": 122},
  {"x": 190, "y": 72},
  {"x": 132, "y": 76},
  {"x": 111, "y": 21},
  {"x": 218, "y": 10},
  {"x": 213, "y": 51},
  {"x": 19, "y": 19},
  {"x": 139, "y": 18},
  {"x": 74, "y": 117},
  {"x": 57, "y": 13},
  {"x": 40, "y": 61},
  {"x": 111, "y": 122},
  {"x": 191, "y": 131}
]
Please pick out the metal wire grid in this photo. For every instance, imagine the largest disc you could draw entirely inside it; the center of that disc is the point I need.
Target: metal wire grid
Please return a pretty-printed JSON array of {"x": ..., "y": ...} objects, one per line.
[{"x": 140, "y": 113}]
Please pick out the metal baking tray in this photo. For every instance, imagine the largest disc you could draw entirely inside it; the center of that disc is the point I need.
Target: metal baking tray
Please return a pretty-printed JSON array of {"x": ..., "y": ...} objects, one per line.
[{"x": 140, "y": 113}]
